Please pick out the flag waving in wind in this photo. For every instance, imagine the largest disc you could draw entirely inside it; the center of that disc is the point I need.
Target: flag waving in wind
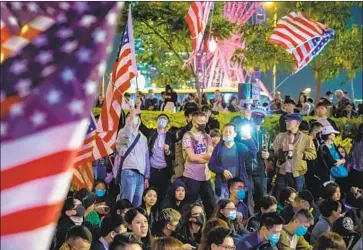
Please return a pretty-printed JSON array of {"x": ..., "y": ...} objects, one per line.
[
  {"x": 56, "y": 76},
  {"x": 124, "y": 70},
  {"x": 197, "y": 19},
  {"x": 301, "y": 37}
]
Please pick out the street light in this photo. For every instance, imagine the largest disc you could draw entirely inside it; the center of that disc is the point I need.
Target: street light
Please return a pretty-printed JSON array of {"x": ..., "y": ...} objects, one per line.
[{"x": 268, "y": 4}]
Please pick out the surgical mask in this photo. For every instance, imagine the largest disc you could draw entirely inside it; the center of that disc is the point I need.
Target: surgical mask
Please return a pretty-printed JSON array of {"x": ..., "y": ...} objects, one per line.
[
  {"x": 273, "y": 239},
  {"x": 77, "y": 220},
  {"x": 200, "y": 220},
  {"x": 201, "y": 127},
  {"x": 241, "y": 194},
  {"x": 228, "y": 139},
  {"x": 300, "y": 231},
  {"x": 100, "y": 192},
  {"x": 331, "y": 99},
  {"x": 162, "y": 123},
  {"x": 232, "y": 215}
]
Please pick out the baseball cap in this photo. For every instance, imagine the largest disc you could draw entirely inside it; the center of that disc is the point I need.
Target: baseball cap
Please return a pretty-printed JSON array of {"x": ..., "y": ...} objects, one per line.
[
  {"x": 329, "y": 93},
  {"x": 86, "y": 197},
  {"x": 327, "y": 130},
  {"x": 294, "y": 116},
  {"x": 288, "y": 99}
]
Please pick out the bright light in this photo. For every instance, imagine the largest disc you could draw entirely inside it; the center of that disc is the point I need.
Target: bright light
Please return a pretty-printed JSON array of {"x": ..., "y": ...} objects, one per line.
[
  {"x": 307, "y": 91},
  {"x": 212, "y": 45},
  {"x": 184, "y": 87},
  {"x": 153, "y": 85},
  {"x": 268, "y": 4},
  {"x": 246, "y": 130}
]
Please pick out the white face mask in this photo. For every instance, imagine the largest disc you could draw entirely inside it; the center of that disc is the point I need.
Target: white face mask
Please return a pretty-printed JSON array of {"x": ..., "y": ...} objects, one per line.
[{"x": 77, "y": 220}]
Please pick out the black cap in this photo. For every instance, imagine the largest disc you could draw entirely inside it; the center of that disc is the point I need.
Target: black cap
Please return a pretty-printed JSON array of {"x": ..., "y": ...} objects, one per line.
[
  {"x": 288, "y": 99},
  {"x": 86, "y": 197},
  {"x": 323, "y": 102},
  {"x": 329, "y": 93}
]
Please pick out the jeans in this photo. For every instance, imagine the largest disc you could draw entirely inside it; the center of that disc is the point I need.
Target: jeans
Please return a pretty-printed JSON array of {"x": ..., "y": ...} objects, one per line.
[
  {"x": 160, "y": 179},
  {"x": 99, "y": 172},
  {"x": 132, "y": 186},
  {"x": 289, "y": 180},
  {"x": 257, "y": 187},
  {"x": 204, "y": 188}
]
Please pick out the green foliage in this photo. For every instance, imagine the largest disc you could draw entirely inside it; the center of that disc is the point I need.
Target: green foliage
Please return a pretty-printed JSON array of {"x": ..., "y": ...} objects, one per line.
[
  {"x": 271, "y": 124},
  {"x": 166, "y": 38}
]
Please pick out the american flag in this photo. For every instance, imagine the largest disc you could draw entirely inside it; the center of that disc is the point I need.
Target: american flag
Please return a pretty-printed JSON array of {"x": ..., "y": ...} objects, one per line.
[
  {"x": 42, "y": 132},
  {"x": 197, "y": 19},
  {"x": 124, "y": 70},
  {"x": 83, "y": 171},
  {"x": 301, "y": 37}
]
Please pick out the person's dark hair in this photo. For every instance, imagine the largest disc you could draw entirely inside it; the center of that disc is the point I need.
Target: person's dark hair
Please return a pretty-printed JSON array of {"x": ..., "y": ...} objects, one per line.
[
  {"x": 121, "y": 205},
  {"x": 122, "y": 240},
  {"x": 165, "y": 217},
  {"x": 268, "y": 220},
  {"x": 222, "y": 203},
  {"x": 209, "y": 226},
  {"x": 217, "y": 236},
  {"x": 198, "y": 114},
  {"x": 311, "y": 100},
  {"x": 305, "y": 98},
  {"x": 232, "y": 99},
  {"x": 314, "y": 125},
  {"x": 133, "y": 212},
  {"x": 127, "y": 94},
  {"x": 68, "y": 204},
  {"x": 189, "y": 111},
  {"x": 163, "y": 115},
  {"x": 305, "y": 213},
  {"x": 112, "y": 223},
  {"x": 234, "y": 180},
  {"x": 98, "y": 181},
  {"x": 304, "y": 126},
  {"x": 184, "y": 229},
  {"x": 329, "y": 190},
  {"x": 330, "y": 241},
  {"x": 150, "y": 189},
  {"x": 327, "y": 207},
  {"x": 285, "y": 194},
  {"x": 230, "y": 124},
  {"x": 206, "y": 108},
  {"x": 166, "y": 243},
  {"x": 162, "y": 93},
  {"x": 79, "y": 232},
  {"x": 168, "y": 87},
  {"x": 215, "y": 133},
  {"x": 358, "y": 135},
  {"x": 267, "y": 201}
]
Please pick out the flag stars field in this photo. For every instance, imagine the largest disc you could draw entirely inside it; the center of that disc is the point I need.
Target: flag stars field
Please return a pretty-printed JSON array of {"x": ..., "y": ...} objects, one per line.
[
  {"x": 76, "y": 107},
  {"x": 99, "y": 36},
  {"x": 53, "y": 97},
  {"x": 44, "y": 57},
  {"x": 65, "y": 33},
  {"x": 40, "y": 41},
  {"x": 23, "y": 86},
  {"x": 67, "y": 75},
  {"x": 38, "y": 118},
  {"x": 16, "y": 109},
  {"x": 87, "y": 20},
  {"x": 69, "y": 46},
  {"x": 18, "y": 67},
  {"x": 83, "y": 55},
  {"x": 91, "y": 87}
]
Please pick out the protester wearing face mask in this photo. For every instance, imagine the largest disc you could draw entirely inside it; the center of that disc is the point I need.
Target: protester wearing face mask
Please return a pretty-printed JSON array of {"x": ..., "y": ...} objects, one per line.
[
  {"x": 330, "y": 211},
  {"x": 190, "y": 230},
  {"x": 292, "y": 235},
  {"x": 237, "y": 193},
  {"x": 226, "y": 210},
  {"x": 229, "y": 160},
  {"x": 133, "y": 171},
  {"x": 268, "y": 235},
  {"x": 110, "y": 227},
  {"x": 161, "y": 152},
  {"x": 71, "y": 215},
  {"x": 197, "y": 146},
  {"x": 151, "y": 103}
]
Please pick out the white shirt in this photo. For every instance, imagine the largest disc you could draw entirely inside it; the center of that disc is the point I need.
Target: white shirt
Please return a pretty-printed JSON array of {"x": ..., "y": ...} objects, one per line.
[{"x": 126, "y": 105}]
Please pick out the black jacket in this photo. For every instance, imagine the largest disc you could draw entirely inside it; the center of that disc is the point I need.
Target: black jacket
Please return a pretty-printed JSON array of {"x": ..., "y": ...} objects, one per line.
[
  {"x": 326, "y": 163},
  {"x": 97, "y": 245},
  {"x": 170, "y": 201},
  {"x": 64, "y": 224},
  {"x": 151, "y": 135},
  {"x": 212, "y": 124}
]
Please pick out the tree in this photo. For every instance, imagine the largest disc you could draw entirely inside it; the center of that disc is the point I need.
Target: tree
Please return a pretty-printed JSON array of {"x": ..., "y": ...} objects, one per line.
[
  {"x": 166, "y": 38},
  {"x": 325, "y": 66}
]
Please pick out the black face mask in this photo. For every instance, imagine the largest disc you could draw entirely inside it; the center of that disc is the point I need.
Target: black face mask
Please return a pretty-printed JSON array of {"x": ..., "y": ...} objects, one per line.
[
  {"x": 201, "y": 127},
  {"x": 80, "y": 210},
  {"x": 200, "y": 220}
]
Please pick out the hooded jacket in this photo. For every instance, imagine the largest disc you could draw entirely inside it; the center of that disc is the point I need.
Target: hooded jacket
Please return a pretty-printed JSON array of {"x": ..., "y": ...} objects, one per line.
[{"x": 170, "y": 201}]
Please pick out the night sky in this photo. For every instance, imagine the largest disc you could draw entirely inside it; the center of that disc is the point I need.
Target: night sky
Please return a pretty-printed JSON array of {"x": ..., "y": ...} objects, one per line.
[{"x": 305, "y": 79}]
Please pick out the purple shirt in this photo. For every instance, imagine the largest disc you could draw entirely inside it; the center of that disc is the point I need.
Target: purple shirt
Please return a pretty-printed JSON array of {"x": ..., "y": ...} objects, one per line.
[
  {"x": 356, "y": 157},
  {"x": 193, "y": 170},
  {"x": 157, "y": 159}
]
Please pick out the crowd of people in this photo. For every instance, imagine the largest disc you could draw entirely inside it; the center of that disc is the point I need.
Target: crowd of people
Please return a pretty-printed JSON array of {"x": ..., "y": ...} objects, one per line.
[{"x": 208, "y": 187}]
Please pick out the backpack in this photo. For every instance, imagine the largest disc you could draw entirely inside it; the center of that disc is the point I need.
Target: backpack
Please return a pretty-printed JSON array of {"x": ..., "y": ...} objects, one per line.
[{"x": 179, "y": 161}]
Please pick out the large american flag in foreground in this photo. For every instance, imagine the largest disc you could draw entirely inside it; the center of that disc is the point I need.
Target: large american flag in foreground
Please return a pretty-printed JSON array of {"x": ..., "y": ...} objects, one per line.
[
  {"x": 301, "y": 37},
  {"x": 55, "y": 76},
  {"x": 124, "y": 70},
  {"x": 197, "y": 19}
]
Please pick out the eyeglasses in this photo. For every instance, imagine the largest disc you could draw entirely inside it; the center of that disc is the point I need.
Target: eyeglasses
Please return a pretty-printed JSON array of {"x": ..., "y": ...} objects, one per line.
[{"x": 228, "y": 247}]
